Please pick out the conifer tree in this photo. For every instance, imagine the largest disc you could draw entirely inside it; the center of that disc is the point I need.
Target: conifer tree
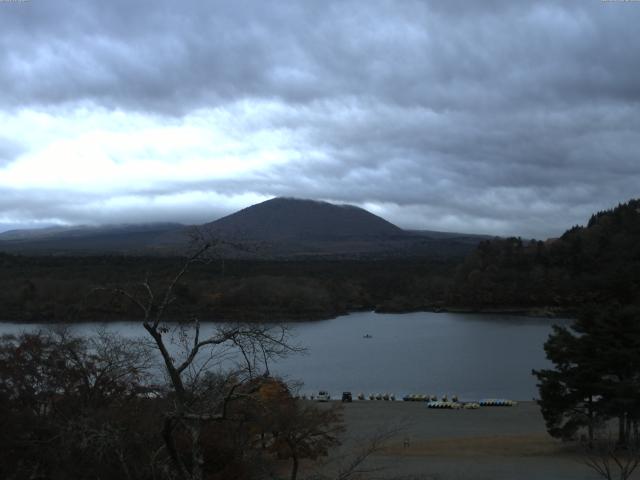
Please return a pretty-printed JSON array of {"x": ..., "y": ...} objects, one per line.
[{"x": 596, "y": 374}]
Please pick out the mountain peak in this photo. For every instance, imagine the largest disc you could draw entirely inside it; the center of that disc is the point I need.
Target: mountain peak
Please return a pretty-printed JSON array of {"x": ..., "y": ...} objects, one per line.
[
  {"x": 285, "y": 218},
  {"x": 303, "y": 202}
]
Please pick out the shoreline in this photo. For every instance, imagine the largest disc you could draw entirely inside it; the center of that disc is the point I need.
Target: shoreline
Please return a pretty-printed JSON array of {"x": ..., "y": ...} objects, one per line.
[{"x": 266, "y": 318}]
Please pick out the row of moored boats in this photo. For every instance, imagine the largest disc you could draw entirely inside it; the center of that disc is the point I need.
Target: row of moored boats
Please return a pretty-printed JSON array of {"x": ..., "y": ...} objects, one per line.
[{"x": 432, "y": 401}]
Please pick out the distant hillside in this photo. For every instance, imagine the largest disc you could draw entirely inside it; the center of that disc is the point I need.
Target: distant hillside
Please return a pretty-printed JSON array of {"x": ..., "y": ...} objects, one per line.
[
  {"x": 131, "y": 239},
  {"x": 277, "y": 228},
  {"x": 33, "y": 233},
  {"x": 473, "y": 238},
  {"x": 596, "y": 263}
]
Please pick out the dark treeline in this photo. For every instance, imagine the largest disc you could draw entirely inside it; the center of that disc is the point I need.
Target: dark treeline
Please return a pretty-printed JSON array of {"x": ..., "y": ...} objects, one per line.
[
  {"x": 596, "y": 264},
  {"x": 43, "y": 288}
]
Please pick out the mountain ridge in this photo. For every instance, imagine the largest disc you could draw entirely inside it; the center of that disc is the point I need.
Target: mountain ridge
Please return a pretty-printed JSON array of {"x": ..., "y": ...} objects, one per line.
[
  {"x": 30, "y": 233},
  {"x": 277, "y": 228}
]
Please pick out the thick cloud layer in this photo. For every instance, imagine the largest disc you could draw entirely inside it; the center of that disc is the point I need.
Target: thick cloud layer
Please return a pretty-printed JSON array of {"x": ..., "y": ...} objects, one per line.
[{"x": 499, "y": 116}]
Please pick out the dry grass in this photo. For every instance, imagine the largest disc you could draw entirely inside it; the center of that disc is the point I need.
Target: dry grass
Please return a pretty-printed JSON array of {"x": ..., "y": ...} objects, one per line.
[{"x": 499, "y": 445}]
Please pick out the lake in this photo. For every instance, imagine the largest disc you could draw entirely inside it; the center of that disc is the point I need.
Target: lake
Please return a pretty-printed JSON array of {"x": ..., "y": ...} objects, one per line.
[{"x": 471, "y": 355}]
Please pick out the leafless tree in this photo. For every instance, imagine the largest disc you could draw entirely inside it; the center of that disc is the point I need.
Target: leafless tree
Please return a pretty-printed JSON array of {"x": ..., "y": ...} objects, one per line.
[
  {"x": 611, "y": 460},
  {"x": 354, "y": 465},
  {"x": 194, "y": 406}
]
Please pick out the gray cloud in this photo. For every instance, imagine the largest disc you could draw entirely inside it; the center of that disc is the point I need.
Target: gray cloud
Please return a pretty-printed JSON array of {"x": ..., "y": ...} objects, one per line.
[
  {"x": 171, "y": 57},
  {"x": 9, "y": 150},
  {"x": 496, "y": 116}
]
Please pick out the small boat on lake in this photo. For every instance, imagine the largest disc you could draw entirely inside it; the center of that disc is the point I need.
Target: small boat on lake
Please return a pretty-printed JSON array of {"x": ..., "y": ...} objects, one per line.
[{"x": 366, "y": 335}]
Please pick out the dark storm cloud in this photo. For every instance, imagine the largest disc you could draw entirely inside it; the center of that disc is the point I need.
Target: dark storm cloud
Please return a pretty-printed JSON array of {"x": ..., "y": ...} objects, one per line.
[
  {"x": 168, "y": 56},
  {"x": 497, "y": 116}
]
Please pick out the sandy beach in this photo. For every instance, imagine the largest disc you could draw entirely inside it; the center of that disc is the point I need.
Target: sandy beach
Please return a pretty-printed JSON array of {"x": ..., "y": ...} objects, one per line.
[{"x": 491, "y": 443}]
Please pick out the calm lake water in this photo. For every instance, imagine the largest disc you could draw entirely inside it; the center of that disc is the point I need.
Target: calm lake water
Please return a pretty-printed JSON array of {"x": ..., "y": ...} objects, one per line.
[{"x": 471, "y": 355}]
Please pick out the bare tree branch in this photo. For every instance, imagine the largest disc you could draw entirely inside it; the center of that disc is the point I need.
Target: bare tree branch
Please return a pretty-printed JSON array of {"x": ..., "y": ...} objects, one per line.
[{"x": 606, "y": 457}]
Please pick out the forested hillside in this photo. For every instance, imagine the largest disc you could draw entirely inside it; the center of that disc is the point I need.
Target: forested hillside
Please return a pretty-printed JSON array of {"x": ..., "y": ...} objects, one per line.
[
  {"x": 597, "y": 263},
  {"x": 71, "y": 288}
]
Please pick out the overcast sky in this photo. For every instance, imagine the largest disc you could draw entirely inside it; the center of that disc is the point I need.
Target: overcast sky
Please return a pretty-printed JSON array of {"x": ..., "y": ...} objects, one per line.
[{"x": 497, "y": 116}]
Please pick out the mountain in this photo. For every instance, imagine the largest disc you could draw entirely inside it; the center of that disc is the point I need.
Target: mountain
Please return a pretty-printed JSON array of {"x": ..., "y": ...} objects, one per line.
[
  {"x": 299, "y": 228},
  {"x": 284, "y": 219},
  {"x": 276, "y": 228}
]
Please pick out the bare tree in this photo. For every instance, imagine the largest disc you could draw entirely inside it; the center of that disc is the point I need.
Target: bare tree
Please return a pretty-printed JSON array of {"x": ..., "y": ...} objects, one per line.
[
  {"x": 611, "y": 460},
  {"x": 193, "y": 406},
  {"x": 298, "y": 430},
  {"x": 355, "y": 464}
]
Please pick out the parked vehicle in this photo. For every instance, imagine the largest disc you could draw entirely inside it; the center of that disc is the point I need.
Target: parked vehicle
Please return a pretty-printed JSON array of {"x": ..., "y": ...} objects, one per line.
[
  {"x": 323, "y": 396},
  {"x": 346, "y": 397}
]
